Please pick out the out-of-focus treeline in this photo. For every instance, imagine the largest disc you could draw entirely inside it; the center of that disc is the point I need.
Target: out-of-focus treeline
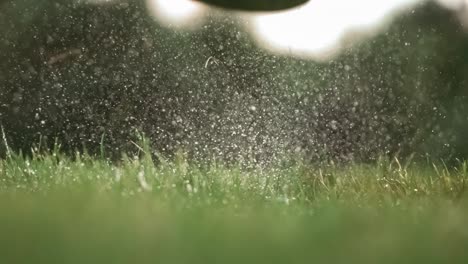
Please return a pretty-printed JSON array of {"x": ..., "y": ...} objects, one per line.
[{"x": 89, "y": 75}]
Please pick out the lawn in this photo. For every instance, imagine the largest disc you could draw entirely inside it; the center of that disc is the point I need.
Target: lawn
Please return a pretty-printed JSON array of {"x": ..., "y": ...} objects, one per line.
[{"x": 56, "y": 209}]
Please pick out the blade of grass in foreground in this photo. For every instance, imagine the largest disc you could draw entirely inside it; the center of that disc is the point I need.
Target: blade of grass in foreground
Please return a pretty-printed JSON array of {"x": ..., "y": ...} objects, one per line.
[
  {"x": 58, "y": 210},
  {"x": 90, "y": 228}
]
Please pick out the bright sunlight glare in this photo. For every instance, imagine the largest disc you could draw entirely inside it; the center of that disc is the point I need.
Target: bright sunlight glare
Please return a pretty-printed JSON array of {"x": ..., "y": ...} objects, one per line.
[
  {"x": 186, "y": 13},
  {"x": 317, "y": 28}
]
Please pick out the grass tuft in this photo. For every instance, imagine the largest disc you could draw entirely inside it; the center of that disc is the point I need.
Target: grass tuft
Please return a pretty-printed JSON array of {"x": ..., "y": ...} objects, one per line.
[{"x": 90, "y": 210}]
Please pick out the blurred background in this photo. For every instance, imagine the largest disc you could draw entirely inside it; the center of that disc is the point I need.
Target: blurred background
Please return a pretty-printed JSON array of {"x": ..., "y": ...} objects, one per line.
[{"x": 329, "y": 80}]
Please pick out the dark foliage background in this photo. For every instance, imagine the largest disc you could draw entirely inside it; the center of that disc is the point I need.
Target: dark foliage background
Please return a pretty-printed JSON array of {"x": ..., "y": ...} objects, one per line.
[{"x": 92, "y": 74}]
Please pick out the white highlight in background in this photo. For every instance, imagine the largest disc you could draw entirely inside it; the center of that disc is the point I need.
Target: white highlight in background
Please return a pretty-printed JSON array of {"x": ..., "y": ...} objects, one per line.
[
  {"x": 317, "y": 28},
  {"x": 454, "y": 4},
  {"x": 177, "y": 13}
]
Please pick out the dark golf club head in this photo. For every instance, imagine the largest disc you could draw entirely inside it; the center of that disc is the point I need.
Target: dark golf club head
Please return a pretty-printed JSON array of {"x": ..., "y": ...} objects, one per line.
[{"x": 255, "y": 5}]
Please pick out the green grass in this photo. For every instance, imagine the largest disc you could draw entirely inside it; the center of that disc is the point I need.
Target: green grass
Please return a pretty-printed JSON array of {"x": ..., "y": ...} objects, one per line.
[{"x": 87, "y": 210}]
